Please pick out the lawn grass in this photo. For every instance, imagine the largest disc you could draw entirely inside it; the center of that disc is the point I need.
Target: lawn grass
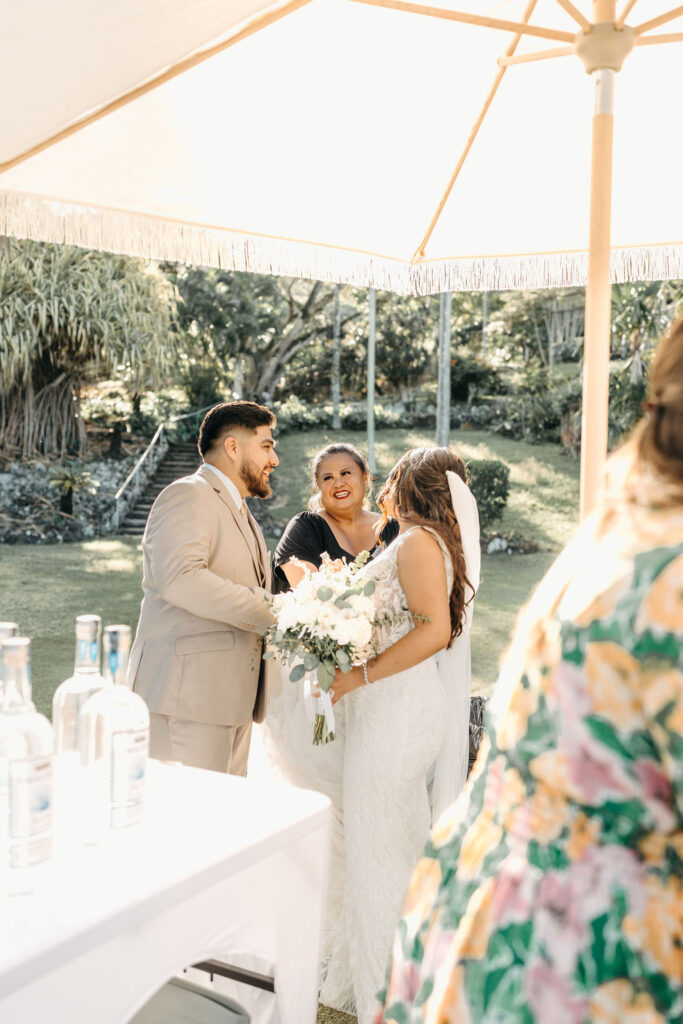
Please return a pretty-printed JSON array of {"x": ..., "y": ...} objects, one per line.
[{"x": 43, "y": 587}]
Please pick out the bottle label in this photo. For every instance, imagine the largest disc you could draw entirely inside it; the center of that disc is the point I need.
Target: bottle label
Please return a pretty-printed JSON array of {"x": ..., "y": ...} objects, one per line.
[
  {"x": 30, "y": 810},
  {"x": 129, "y": 751}
]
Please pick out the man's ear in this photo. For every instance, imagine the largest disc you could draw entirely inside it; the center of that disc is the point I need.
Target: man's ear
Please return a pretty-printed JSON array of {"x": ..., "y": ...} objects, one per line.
[{"x": 231, "y": 446}]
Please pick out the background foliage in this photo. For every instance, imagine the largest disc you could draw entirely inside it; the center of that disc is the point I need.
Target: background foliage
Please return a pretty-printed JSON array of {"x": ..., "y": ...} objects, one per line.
[{"x": 69, "y": 316}]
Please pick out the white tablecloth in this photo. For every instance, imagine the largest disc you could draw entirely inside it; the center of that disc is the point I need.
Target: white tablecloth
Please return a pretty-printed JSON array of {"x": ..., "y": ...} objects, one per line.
[{"x": 220, "y": 868}]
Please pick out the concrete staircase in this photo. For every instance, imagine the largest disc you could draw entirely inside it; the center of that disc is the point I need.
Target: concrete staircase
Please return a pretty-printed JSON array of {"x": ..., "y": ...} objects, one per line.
[{"x": 180, "y": 460}]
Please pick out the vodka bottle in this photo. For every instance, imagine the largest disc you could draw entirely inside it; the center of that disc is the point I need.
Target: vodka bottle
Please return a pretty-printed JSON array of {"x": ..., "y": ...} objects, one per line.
[
  {"x": 26, "y": 772},
  {"x": 8, "y": 629},
  {"x": 114, "y": 742},
  {"x": 71, "y": 695}
]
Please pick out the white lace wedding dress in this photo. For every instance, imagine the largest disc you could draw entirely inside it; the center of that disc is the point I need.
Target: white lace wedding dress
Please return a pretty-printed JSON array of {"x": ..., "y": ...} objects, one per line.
[{"x": 389, "y": 734}]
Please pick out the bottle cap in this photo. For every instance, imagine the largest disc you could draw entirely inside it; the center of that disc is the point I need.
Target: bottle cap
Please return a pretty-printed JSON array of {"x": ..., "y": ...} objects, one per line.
[
  {"x": 116, "y": 638},
  {"x": 116, "y": 644},
  {"x": 88, "y": 627},
  {"x": 16, "y": 651},
  {"x": 8, "y": 629}
]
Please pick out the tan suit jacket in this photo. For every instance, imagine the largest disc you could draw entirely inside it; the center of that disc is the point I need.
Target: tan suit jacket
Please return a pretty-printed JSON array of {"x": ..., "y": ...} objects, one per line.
[{"x": 198, "y": 649}]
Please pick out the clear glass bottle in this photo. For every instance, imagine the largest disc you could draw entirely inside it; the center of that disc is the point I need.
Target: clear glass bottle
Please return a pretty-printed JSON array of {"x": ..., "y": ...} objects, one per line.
[
  {"x": 8, "y": 629},
  {"x": 114, "y": 743},
  {"x": 71, "y": 695},
  {"x": 26, "y": 772}
]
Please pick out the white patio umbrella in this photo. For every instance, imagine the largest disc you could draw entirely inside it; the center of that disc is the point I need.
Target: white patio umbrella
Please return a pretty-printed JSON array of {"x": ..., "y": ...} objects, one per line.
[{"x": 390, "y": 144}]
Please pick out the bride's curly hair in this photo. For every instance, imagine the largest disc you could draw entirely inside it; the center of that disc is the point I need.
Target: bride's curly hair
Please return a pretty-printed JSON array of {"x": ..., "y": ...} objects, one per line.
[{"x": 418, "y": 488}]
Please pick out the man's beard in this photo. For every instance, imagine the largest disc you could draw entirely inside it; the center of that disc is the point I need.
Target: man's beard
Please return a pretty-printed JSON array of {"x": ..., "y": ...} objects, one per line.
[{"x": 257, "y": 484}]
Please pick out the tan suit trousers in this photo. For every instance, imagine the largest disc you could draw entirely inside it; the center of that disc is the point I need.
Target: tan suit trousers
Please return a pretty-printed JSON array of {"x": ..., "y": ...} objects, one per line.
[{"x": 218, "y": 748}]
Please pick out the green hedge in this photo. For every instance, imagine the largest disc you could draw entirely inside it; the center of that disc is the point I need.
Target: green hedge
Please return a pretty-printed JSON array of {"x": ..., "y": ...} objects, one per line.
[{"x": 490, "y": 484}]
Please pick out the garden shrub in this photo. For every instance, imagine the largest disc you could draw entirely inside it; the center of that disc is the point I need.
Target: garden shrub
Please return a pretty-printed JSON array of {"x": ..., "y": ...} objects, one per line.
[
  {"x": 627, "y": 391},
  {"x": 490, "y": 485},
  {"x": 472, "y": 376},
  {"x": 295, "y": 414},
  {"x": 202, "y": 384}
]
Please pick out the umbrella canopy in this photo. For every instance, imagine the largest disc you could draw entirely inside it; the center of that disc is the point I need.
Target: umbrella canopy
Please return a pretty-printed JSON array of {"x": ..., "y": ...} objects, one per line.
[{"x": 397, "y": 145}]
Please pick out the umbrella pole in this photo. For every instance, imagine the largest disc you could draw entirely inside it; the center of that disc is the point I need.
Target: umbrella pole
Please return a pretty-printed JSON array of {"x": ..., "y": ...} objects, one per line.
[{"x": 598, "y": 296}]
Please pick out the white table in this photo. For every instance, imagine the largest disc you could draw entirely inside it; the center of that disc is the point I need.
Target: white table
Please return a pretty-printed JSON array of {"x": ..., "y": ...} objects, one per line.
[{"x": 220, "y": 868}]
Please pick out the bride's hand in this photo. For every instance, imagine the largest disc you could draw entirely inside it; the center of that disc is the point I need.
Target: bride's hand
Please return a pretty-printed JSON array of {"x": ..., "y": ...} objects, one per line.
[{"x": 345, "y": 682}]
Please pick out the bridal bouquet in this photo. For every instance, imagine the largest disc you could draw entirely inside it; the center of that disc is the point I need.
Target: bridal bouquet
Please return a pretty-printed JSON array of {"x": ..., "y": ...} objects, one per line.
[{"x": 323, "y": 624}]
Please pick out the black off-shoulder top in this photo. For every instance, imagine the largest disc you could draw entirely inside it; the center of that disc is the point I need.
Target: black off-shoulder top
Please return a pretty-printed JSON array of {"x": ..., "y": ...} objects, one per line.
[{"x": 307, "y": 536}]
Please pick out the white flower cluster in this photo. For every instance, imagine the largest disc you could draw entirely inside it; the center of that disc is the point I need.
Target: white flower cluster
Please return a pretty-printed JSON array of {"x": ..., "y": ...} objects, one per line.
[{"x": 328, "y": 605}]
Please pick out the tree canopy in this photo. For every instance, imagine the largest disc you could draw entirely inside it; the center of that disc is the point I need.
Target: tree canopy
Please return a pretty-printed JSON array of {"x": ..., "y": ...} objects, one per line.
[{"x": 69, "y": 315}]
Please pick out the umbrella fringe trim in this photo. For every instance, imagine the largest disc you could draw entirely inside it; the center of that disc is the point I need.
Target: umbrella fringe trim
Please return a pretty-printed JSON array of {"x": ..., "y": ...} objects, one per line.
[{"x": 26, "y": 216}]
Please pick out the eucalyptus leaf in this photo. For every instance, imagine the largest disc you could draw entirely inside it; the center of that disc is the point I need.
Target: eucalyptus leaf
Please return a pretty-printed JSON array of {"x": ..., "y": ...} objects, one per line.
[
  {"x": 326, "y": 674},
  {"x": 311, "y": 661},
  {"x": 341, "y": 602},
  {"x": 268, "y": 654},
  {"x": 369, "y": 587},
  {"x": 298, "y": 672},
  {"x": 343, "y": 661},
  {"x": 325, "y": 593}
]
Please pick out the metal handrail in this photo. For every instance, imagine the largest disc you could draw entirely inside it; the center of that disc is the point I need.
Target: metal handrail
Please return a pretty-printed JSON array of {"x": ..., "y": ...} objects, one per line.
[
  {"x": 135, "y": 476},
  {"x": 186, "y": 415}
]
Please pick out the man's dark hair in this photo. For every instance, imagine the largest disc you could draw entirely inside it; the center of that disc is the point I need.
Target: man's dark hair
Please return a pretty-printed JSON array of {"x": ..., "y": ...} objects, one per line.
[{"x": 228, "y": 416}]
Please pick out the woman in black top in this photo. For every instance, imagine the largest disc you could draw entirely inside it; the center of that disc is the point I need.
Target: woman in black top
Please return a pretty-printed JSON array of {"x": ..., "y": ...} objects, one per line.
[{"x": 338, "y": 522}]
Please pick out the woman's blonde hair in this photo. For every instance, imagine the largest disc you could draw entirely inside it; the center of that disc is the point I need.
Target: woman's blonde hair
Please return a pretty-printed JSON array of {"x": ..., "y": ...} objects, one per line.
[
  {"x": 419, "y": 490},
  {"x": 338, "y": 448}
]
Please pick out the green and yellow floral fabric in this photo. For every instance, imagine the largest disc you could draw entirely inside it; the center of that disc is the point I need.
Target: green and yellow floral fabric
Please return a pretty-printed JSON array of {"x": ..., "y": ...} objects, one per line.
[{"x": 553, "y": 890}]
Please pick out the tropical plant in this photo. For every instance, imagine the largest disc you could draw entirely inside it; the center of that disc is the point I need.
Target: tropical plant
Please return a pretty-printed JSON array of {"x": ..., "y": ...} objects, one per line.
[
  {"x": 68, "y": 316},
  {"x": 641, "y": 313},
  {"x": 67, "y": 480}
]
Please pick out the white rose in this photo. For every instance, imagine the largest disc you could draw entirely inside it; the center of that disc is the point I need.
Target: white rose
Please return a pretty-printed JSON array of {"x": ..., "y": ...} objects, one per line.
[
  {"x": 363, "y": 605},
  {"x": 326, "y": 619},
  {"x": 286, "y": 618},
  {"x": 361, "y": 632}
]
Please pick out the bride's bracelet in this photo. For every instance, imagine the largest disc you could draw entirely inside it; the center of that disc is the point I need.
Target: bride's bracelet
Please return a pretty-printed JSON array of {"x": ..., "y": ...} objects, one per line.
[{"x": 365, "y": 674}]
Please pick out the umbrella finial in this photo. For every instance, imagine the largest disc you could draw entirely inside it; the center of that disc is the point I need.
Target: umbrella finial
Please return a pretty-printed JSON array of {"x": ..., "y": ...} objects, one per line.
[{"x": 605, "y": 46}]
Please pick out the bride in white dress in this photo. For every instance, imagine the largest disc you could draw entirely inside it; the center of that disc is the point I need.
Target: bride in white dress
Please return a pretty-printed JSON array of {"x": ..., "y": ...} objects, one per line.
[{"x": 405, "y": 711}]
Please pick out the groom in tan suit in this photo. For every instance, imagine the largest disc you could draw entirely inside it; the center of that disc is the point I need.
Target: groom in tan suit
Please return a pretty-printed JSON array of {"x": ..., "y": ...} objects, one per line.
[{"x": 197, "y": 657}]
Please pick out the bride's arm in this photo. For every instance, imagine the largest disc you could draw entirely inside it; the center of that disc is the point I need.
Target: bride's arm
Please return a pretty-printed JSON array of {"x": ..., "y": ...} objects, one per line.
[{"x": 422, "y": 574}]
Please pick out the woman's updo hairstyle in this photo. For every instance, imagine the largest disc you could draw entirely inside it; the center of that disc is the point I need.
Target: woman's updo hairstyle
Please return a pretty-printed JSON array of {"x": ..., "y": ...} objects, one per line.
[
  {"x": 658, "y": 439},
  {"x": 315, "y": 466},
  {"x": 419, "y": 490}
]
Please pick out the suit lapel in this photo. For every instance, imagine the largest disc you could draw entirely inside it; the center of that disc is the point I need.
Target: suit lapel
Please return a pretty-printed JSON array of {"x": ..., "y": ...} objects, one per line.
[
  {"x": 260, "y": 541},
  {"x": 241, "y": 521}
]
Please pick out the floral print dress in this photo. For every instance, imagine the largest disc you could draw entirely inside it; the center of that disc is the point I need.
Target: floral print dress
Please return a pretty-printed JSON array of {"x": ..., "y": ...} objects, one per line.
[{"x": 552, "y": 891}]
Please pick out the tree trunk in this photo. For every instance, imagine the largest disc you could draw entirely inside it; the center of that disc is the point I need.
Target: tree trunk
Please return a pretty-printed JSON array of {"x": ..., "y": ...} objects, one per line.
[
  {"x": 238, "y": 382},
  {"x": 115, "y": 451},
  {"x": 66, "y": 501},
  {"x": 372, "y": 326},
  {"x": 336, "y": 361},
  {"x": 443, "y": 400},
  {"x": 484, "y": 321}
]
